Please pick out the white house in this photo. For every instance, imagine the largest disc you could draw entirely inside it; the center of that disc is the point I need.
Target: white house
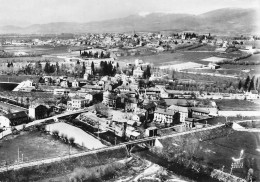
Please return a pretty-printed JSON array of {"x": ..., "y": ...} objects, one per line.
[
  {"x": 25, "y": 84},
  {"x": 61, "y": 91},
  {"x": 76, "y": 103},
  {"x": 253, "y": 94},
  {"x": 138, "y": 72}
]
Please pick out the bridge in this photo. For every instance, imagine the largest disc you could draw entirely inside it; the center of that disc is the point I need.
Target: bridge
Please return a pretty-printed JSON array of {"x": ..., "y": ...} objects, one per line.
[{"x": 71, "y": 114}]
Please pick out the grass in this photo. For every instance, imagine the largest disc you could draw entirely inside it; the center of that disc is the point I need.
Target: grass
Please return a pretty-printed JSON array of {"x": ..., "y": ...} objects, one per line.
[
  {"x": 29, "y": 59},
  {"x": 237, "y": 105},
  {"x": 33, "y": 145},
  {"x": 18, "y": 79},
  {"x": 179, "y": 57},
  {"x": 45, "y": 49},
  {"x": 218, "y": 152}
]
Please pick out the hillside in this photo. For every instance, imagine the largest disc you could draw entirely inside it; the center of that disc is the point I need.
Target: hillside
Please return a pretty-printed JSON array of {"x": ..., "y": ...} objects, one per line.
[{"x": 222, "y": 21}]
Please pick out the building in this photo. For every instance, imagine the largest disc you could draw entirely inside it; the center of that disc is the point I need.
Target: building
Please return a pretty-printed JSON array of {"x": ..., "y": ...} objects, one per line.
[
  {"x": 25, "y": 85},
  {"x": 61, "y": 92},
  {"x": 165, "y": 116},
  {"x": 13, "y": 119},
  {"x": 38, "y": 110},
  {"x": 183, "y": 111},
  {"x": 76, "y": 103},
  {"x": 138, "y": 72},
  {"x": 197, "y": 112},
  {"x": 252, "y": 94}
]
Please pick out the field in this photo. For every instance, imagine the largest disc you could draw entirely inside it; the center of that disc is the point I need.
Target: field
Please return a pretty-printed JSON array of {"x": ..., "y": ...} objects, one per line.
[
  {"x": 80, "y": 137},
  {"x": 32, "y": 146},
  {"x": 237, "y": 105},
  {"x": 18, "y": 79},
  {"x": 169, "y": 58},
  {"x": 37, "y": 50},
  {"x": 180, "y": 56},
  {"x": 218, "y": 152},
  {"x": 30, "y": 59}
]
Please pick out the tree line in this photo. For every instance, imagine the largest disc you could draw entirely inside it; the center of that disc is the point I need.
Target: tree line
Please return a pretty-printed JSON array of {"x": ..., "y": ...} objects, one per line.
[{"x": 90, "y": 54}]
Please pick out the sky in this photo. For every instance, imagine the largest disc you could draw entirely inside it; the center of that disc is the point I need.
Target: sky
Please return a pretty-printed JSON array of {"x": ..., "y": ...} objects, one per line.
[{"x": 26, "y": 12}]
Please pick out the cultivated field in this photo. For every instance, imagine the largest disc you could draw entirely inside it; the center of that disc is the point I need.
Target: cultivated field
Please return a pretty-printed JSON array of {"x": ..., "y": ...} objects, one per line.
[
  {"x": 179, "y": 57},
  {"x": 32, "y": 145},
  {"x": 45, "y": 49},
  {"x": 237, "y": 105},
  {"x": 29, "y": 59}
]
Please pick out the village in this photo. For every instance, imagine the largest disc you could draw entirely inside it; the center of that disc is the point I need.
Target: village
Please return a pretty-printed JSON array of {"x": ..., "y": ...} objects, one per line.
[{"x": 99, "y": 91}]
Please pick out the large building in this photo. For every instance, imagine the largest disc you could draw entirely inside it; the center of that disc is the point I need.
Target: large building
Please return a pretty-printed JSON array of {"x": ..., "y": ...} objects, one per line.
[
  {"x": 13, "y": 119},
  {"x": 76, "y": 103}
]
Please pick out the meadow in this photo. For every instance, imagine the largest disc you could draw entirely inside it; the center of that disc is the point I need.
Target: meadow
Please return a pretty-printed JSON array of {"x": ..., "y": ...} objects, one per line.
[
  {"x": 32, "y": 145},
  {"x": 218, "y": 152}
]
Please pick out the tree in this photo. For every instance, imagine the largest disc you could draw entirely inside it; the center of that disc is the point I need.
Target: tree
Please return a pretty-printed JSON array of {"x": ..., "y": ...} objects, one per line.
[
  {"x": 252, "y": 84},
  {"x": 109, "y": 69},
  {"x": 101, "y": 54},
  {"x": 83, "y": 69},
  {"x": 105, "y": 68},
  {"x": 96, "y": 55},
  {"x": 240, "y": 84},
  {"x": 93, "y": 68},
  {"x": 57, "y": 68},
  {"x": 147, "y": 72},
  {"x": 38, "y": 67},
  {"x": 246, "y": 85},
  {"x": 256, "y": 84},
  {"x": 47, "y": 67}
]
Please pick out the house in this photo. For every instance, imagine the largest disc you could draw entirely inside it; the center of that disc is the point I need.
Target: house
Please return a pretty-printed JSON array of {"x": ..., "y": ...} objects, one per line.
[
  {"x": 213, "y": 66},
  {"x": 138, "y": 72},
  {"x": 182, "y": 110},
  {"x": 166, "y": 117},
  {"x": 75, "y": 83},
  {"x": 64, "y": 83},
  {"x": 197, "y": 112},
  {"x": 76, "y": 103},
  {"x": 252, "y": 94},
  {"x": 137, "y": 117},
  {"x": 13, "y": 119},
  {"x": 61, "y": 92},
  {"x": 89, "y": 96}
]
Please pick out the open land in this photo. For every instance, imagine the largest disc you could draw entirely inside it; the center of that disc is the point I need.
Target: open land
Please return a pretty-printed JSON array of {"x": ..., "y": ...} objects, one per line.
[
  {"x": 218, "y": 152},
  {"x": 32, "y": 146},
  {"x": 237, "y": 105}
]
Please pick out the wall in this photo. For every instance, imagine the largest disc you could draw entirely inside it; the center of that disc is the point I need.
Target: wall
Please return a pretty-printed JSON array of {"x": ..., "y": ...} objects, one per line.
[{"x": 62, "y": 166}]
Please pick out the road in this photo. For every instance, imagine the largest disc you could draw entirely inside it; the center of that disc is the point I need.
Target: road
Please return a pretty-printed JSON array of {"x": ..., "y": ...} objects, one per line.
[{"x": 13, "y": 108}]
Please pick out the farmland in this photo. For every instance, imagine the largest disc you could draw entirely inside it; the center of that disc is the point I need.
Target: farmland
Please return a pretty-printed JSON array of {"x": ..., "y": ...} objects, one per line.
[
  {"x": 179, "y": 57},
  {"x": 29, "y": 59},
  {"x": 37, "y": 50},
  {"x": 237, "y": 105},
  {"x": 32, "y": 145}
]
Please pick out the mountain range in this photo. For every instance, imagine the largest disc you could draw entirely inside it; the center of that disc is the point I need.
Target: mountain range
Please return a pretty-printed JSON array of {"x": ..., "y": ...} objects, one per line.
[{"x": 227, "y": 21}]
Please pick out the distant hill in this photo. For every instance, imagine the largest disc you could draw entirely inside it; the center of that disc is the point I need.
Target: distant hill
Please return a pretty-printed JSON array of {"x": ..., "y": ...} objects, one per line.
[{"x": 222, "y": 21}]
